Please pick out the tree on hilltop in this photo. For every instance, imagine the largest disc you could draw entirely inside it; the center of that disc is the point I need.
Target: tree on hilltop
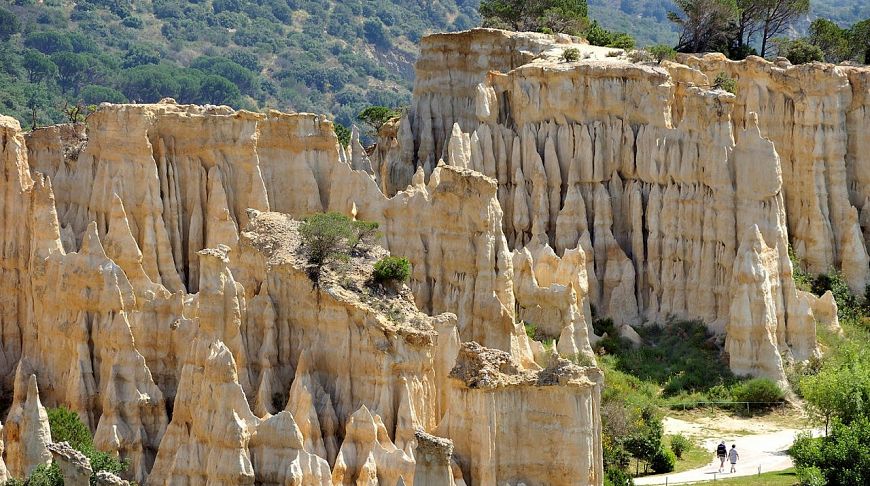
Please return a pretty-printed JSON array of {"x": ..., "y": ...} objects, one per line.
[{"x": 564, "y": 16}]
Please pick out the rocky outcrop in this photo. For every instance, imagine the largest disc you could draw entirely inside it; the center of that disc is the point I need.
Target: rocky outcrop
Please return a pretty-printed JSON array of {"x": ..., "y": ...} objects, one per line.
[
  {"x": 816, "y": 116},
  {"x": 27, "y": 433},
  {"x": 487, "y": 388},
  {"x": 649, "y": 170},
  {"x": 75, "y": 467}
]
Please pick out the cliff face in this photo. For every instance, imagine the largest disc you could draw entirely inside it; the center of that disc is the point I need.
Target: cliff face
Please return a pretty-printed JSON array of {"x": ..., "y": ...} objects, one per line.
[
  {"x": 152, "y": 280},
  {"x": 153, "y": 290},
  {"x": 656, "y": 176}
]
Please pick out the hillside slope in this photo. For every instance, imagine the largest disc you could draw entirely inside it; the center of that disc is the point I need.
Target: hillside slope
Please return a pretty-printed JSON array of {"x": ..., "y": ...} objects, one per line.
[{"x": 323, "y": 56}]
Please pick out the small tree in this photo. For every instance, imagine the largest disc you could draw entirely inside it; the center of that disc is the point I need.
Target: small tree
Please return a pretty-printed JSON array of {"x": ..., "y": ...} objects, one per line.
[
  {"x": 324, "y": 238},
  {"x": 328, "y": 237},
  {"x": 679, "y": 445},
  {"x": 376, "y": 116},
  {"x": 363, "y": 232},
  {"x": 343, "y": 133},
  {"x": 564, "y": 16}
]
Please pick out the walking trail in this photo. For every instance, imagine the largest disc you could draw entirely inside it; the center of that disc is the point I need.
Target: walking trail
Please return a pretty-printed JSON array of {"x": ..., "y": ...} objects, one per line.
[{"x": 760, "y": 445}]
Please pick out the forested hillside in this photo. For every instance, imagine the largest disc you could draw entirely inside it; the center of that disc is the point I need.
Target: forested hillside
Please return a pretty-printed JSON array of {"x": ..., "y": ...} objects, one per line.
[
  {"x": 647, "y": 20},
  {"x": 324, "y": 56}
]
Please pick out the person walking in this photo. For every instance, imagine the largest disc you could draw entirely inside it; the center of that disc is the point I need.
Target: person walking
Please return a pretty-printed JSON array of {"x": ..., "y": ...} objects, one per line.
[
  {"x": 733, "y": 456},
  {"x": 721, "y": 453}
]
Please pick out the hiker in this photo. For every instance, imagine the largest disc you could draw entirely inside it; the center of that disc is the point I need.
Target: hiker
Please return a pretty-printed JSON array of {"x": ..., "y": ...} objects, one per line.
[
  {"x": 721, "y": 453},
  {"x": 733, "y": 456}
]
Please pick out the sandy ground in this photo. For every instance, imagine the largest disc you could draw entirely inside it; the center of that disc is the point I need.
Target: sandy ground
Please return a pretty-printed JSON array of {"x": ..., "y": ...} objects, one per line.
[{"x": 761, "y": 445}]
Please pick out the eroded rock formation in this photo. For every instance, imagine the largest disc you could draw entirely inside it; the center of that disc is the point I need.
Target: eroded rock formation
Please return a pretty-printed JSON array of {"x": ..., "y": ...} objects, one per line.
[
  {"x": 169, "y": 308},
  {"x": 152, "y": 280}
]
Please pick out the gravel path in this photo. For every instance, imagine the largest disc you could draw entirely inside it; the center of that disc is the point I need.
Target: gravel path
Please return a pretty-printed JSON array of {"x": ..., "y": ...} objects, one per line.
[{"x": 766, "y": 451}]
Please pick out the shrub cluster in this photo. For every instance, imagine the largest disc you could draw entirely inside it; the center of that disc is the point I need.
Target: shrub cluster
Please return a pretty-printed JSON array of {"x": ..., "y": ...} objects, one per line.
[
  {"x": 327, "y": 237},
  {"x": 392, "y": 270}
]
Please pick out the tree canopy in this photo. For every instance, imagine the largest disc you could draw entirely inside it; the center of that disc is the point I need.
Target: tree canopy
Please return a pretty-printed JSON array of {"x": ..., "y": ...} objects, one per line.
[{"x": 566, "y": 16}]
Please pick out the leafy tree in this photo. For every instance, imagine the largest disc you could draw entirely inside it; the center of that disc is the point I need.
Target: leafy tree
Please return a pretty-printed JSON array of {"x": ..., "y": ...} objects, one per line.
[
  {"x": 219, "y": 90},
  {"x": 859, "y": 41},
  {"x": 95, "y": 94},
  {"x": 48, "y": 42},
  {"x": 324, "y": 238},
  {"x": 775, "y": 16},
  {"x": 139, "y": 55},
  {"x": 843, "y": 458},
  {"x": 376, "y": 116},
  {"x": 705, "y": 24},
  {"x": 343, "y": 134},
  {"x": 72, "y": 69},
  {"x": 567, "y": 16},
  {"x": 800, "y": 51},
  {"x": 376, "y": 34},
  {"x": 38, "y": 66},
  {"x": 9, "y": 24},
  {"x": 841, "y": 391},
  {"x": 830, "y": 38}
]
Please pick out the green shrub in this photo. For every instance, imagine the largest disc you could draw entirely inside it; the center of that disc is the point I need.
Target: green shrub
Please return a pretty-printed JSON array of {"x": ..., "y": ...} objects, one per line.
[
  {"x": 392, "y": 270},
  {"x": 617, "y": 477},
  {"x": 680, "y": 444},
  {"x": 571, "y": 54},
  {"x": 758, "y": 390},
  {"x": 810, "y": 476},
  {"x": 663, "y": 461},
  {"x": 848, "y": 305},
  {"x": 67, "y": 427},
  {"x": 802, "y": 52},
  {"x": 842, "y": 458},
  {"x": 343, "y": 134},
  {"x": 725, "y": 82},
  {"x": 661, "y": 52}
]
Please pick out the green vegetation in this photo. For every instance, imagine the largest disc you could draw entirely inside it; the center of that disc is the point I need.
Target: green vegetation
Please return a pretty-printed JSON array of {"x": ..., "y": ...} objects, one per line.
[
  {"x": 572, "y": 54},
  {"x": 836, "y": 390},
  {"x": 567, "y": 16},
  {"x": 330, "y": 237},
  {"x": 800, "y": 51},
  {"x": 376, "y": 116},
  {"x": 392, "y": 270},
  {"x": 678, "y": 365},
  {"x": 725, "y": 82},
  {"x": 781, "y": 478},
  {"x": 328, "y": 56},
  {"x": 679, "y": 445},
  {"x": 67, "y": 427},
  {"x": 661, "y": 52}
]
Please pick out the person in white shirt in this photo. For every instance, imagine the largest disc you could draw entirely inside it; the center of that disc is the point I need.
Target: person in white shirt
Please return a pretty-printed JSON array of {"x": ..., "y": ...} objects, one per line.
[{"x": 733, "y": 456}]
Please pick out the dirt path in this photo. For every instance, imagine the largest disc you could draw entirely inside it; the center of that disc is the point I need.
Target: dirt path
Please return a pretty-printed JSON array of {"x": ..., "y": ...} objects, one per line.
[{"x": 762, "y": 445}]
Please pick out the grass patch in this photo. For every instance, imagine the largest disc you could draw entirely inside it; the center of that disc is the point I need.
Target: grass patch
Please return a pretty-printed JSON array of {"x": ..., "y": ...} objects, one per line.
[
  {"x": 780, "y": 478},
  {"x": 693, "y": 457}
]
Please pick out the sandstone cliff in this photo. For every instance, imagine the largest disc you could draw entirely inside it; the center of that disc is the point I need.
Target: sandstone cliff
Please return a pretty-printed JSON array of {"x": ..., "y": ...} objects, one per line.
[
  {"x": 166, "y": 305},
  {"x": 152, "y": 280},
  {"x": 658, "y": 177}
]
